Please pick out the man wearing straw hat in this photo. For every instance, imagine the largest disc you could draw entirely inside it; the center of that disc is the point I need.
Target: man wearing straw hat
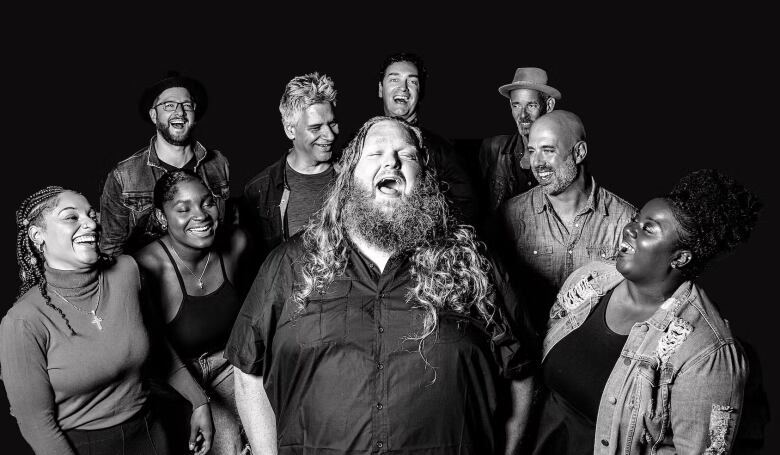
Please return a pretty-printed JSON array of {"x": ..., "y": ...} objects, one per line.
[{"x": 504, "y": 165}]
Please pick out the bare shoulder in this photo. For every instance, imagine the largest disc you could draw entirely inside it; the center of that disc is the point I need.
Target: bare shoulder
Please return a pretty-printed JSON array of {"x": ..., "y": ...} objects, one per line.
[{"x": 150, "y": 258}]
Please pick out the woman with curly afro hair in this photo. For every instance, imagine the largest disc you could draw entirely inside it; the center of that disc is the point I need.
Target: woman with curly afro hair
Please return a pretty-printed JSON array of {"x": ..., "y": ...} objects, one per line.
[{"x": 637, "y": 359}]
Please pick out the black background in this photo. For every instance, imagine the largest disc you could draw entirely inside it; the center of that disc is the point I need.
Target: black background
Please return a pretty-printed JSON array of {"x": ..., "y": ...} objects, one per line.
[{"x": 659, "y": 96}]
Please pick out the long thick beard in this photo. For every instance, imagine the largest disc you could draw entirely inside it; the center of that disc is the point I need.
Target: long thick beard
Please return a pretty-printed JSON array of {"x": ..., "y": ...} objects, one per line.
[{"x": 397, "y": 226}]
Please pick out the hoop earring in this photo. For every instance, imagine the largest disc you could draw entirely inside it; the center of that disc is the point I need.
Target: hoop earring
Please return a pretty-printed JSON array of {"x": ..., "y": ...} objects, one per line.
[{"x": 674, "y": 265}]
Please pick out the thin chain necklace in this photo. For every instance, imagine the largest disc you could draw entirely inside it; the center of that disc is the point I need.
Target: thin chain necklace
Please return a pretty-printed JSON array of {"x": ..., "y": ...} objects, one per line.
[
  {"x": 95, "y": 318},
  {"x": 200, "y": 279}
]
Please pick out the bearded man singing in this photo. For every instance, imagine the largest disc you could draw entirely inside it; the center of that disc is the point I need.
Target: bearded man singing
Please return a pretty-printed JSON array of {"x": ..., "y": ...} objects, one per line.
[{"x": 382, "y": 328}]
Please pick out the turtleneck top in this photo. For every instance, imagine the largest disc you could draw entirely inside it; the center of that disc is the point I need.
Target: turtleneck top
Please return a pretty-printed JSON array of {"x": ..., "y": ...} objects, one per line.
[{"x": 57, "y": 381}]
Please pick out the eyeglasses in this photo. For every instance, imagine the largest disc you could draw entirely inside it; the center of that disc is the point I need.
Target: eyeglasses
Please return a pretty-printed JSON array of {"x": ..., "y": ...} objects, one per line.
[{"x": 170, "y": 106}]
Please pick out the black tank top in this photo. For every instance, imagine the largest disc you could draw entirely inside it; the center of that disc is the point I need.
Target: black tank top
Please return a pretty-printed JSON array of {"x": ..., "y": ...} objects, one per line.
[{"x": 203, "y": 322}]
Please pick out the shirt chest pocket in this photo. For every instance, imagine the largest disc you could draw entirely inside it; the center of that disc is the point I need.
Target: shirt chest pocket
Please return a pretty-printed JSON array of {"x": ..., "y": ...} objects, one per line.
[
  {"x": 649, "y": 404},
  {"x": 540, "y": 258},
  {"x": 325, "y": 318},
  {"x": 599, "y": 252},
  {"x": 137, "y": 202}
]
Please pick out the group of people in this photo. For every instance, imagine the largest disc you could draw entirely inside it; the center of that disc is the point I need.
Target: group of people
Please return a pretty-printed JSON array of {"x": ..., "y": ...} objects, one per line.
[{"x": 375, "y": 299}]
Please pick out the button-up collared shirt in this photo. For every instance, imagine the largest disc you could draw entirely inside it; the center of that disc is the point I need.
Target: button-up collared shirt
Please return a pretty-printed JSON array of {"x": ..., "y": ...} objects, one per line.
[
  {"x": 343, "y": 376},
  {"x": 679, "y": 382},
  {"x": 544, "y": 250},
  {"x": 127, "y": 199}
]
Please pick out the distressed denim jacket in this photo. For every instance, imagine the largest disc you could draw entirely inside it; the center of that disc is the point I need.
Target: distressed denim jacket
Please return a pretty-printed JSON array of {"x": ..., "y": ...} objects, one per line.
[
  {"x": 127, "y": 199},
  {"x": 679, "y": 382}
]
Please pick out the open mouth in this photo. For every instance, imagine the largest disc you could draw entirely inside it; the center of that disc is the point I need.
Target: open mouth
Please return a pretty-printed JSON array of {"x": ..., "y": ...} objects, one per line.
[
  {"x": 401, "y": 99},
  {"x": 544, "y": 175},
  {"x": 626, "y": 248},
  {"x": 391, "y": 185},
  {"x": 178, "y": 123},
  {"x": 202, "y": 231},
  {"x": 324, "y": 147},
  {"x": 86, "y": 239}
]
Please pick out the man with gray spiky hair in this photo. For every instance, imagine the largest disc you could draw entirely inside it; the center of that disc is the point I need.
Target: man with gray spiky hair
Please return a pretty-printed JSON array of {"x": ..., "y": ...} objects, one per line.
[{"x": 280, "y": 199}]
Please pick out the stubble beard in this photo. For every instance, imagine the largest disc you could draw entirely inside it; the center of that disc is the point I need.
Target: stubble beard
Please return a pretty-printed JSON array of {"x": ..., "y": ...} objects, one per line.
[
  {"x": 563, "y": 178},
  {"x": 165, "y": 131}
]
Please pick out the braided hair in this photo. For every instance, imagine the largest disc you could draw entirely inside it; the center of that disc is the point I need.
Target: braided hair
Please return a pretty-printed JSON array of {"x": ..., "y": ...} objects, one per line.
[{"x": 28, "y": 257}]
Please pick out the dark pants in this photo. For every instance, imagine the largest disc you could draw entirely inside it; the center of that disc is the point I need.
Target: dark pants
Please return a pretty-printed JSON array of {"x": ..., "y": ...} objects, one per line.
[{"x": 141, "y": 435}]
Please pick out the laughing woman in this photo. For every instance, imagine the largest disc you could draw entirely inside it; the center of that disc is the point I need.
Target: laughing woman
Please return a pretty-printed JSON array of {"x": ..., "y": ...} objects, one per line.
[
  {"x": 74, "y": 348},
  {"x": 190, "y": 272},
  {"x": 636, "y": 358}
]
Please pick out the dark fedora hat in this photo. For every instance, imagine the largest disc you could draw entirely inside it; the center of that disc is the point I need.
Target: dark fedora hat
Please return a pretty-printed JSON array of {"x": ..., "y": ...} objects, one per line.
[
  {"x": 174, "y": 79},
  {"x": 530, "y": 78}
]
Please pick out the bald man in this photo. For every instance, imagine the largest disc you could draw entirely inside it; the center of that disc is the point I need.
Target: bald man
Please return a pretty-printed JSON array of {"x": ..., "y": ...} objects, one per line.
[{"x": 565, "y": 221}]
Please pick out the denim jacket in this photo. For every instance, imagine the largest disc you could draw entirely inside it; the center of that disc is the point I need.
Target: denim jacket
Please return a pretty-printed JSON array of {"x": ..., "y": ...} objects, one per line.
[
  {"x": 127, "y": 199},
  {"x": 679, "y": 382},
  {"x": 263, "y": 207}
]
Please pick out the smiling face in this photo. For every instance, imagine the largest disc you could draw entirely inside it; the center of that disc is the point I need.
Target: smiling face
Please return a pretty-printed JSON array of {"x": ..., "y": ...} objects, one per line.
[
  {"x": 175, "y": 126},
  {"x": 650, "y": 244},
  {"x": 526, "y": 108},
  {"x": 388, "y": 167},
  {"x": 314, "y": 133},
  {"x": 400, "y": 91},
  {"x": 191, "y": 215},
  {"x": 551, "y": 150},
  {"x": 69, "y": 233}
]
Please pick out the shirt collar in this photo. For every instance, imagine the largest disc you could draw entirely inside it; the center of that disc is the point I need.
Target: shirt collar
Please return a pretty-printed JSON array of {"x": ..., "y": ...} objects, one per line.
[{"x": 153, "y": 160}]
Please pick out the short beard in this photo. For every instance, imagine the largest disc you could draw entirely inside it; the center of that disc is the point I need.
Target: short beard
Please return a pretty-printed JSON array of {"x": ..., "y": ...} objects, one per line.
[
  {"x": 164, "y": 131},
  {"x": 412, "y": 221},
  {"x": 563, "y": 178}
]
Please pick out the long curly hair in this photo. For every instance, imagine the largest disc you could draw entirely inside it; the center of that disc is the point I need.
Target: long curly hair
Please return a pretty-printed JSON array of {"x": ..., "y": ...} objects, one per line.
[
  {"x": 29, "y": 257},
  {"x": 449, "y": 270},
  {"x": 716, "y": 214}
]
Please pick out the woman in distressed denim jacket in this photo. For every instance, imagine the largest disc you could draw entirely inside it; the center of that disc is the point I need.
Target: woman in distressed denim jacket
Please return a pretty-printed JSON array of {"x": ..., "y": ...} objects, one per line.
[{"x": 636, "y": 357}]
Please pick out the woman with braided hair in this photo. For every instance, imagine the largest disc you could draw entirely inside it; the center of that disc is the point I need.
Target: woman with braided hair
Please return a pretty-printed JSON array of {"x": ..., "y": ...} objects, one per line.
[
  {"x": 74, "y": 349},
  {"x": 637, "y": 359}
]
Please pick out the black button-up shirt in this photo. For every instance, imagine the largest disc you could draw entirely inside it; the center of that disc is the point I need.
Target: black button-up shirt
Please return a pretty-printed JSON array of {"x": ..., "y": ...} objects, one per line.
[{"x": 342, "y": 376}]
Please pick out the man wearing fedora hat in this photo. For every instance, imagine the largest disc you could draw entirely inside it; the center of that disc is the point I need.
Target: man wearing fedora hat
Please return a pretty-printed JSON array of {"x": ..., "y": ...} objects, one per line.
[
  {"x": 174, "y": 105},
  {"x": 503, "y": 160},
  {"x": 402, "y": 83}
]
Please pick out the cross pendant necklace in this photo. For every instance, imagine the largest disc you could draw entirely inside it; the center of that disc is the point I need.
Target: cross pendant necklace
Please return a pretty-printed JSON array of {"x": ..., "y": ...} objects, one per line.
[
  {"x": 96, "y": 320},
  {"x": 199, "y": 278}
]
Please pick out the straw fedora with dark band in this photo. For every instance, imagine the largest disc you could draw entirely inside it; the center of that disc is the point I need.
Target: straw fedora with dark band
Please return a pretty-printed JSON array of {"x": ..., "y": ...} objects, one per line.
[
  {"x": 174, "y": 79},
  {"x": 530, "y": 78}
]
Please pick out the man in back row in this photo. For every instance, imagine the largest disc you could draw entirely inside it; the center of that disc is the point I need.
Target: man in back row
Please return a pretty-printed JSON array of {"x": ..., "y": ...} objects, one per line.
[
  {"x": 174, "y": 105},
  {"x": 503, "y": 161},
  {"x": 280, "y": 199},
  {"x": 402, "y": 84}
]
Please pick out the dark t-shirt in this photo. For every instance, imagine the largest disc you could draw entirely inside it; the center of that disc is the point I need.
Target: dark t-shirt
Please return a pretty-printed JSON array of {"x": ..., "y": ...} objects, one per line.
[
  {"x": 307, "y": 193},
  {"x": 575, "y": 373},
  {"x": 342, "y": 374},
  {"x": 188, "y": 166}
]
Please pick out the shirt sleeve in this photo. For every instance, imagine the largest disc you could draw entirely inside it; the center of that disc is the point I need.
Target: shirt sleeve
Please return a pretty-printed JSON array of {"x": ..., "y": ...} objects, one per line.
[
  {"x": 26, "y": 380},
  {"x": 706, "y": 402},
  {"x": 255, "y": 324},
  {"x": 114, "y": 218}
]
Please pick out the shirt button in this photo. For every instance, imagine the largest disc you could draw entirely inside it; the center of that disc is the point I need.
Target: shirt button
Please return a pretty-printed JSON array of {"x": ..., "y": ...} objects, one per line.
[
  {"x": 382, "y": 296},
  {"x": 571, "y": 251},
  {"x": 604, "y": 442},
  {"x": 379, "y": 406},
  {"x": 612, "y": 400},
  {"x": 380, "y": 366},
  {"x": 381, "y": 329},
  {"x": 576, "y": 224},
  {"x": 627, "y": 362},
  {"x": 643, "y": 328},
  {"x": 379, "y": 444}
]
